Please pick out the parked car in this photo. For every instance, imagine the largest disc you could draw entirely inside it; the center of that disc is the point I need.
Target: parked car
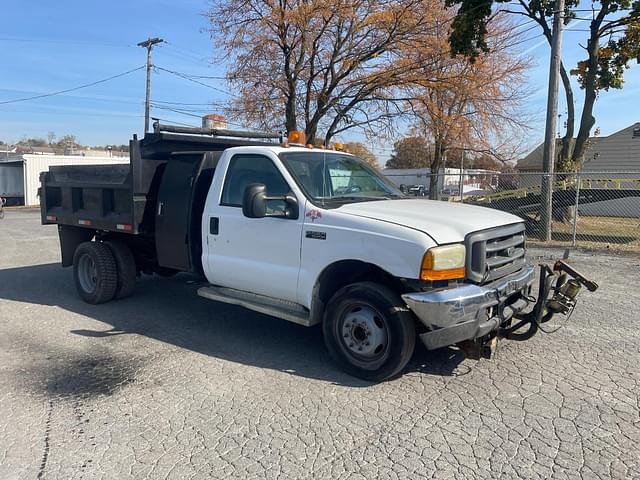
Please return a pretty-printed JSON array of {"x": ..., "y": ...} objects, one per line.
[{"x": 418, "y": 190}]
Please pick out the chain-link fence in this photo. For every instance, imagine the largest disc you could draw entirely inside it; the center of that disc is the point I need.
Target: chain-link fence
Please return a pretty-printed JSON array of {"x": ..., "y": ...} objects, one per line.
[{"x": 590, "y": 209}]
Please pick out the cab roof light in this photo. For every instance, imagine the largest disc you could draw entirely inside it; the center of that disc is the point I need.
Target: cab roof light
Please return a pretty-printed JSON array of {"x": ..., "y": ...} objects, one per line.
[{"x": 296, "y": 136}]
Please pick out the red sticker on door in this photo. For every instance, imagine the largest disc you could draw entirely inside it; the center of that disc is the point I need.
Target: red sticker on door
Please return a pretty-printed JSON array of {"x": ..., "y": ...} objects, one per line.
[{"x": 313, "y": 214}]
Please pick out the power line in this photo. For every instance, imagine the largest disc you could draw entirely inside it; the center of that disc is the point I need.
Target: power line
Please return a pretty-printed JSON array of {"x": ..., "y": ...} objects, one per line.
[
  {"x": 96, "y": 113},
  {"x": 186, "y": 54},
  {"x": 59, "y": 92},
  {"x": 175, "y": 122},
  {"x": 198, "y": 104},
  {"x": 62, "y": 41},
  {"x": 175, "y": 110},
  {"x": 191, "y": 79},
  {"x": 188, "y": 114}
]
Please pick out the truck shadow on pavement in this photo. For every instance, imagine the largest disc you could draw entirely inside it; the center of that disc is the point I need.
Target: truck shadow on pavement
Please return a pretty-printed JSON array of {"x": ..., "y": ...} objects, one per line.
[{"x": 169, "y": 310}]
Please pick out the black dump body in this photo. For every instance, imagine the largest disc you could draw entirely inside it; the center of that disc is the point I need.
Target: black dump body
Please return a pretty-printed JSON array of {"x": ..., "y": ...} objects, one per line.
[{"x": 154, "y": 203}]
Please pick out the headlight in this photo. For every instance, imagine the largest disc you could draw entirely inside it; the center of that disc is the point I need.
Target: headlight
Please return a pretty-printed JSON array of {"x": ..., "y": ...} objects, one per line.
[{"x": 443, "y": 263}]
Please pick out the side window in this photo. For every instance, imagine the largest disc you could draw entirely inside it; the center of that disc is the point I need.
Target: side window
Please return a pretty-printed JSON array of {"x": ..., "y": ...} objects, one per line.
[{"x": 247, "y": 169}]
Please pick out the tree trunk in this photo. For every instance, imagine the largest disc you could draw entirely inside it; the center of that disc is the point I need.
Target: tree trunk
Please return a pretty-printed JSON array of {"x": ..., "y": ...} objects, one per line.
[
  {"x": 434, "y": 191},
  {"x": 566, "y": 152},
  {"x": 586, "y": 124},
  {"x": 590, "y": 94},
  {"x": 311, "y": 131},
  {"x": 291, "y": 122}
]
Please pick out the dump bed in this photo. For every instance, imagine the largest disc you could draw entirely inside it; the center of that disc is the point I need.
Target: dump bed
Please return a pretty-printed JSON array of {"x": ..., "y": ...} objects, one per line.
[
  {"x": 153, "y": 204},
  {"x": 97, "y": 196},
  {"x": 123, "y": 197}
]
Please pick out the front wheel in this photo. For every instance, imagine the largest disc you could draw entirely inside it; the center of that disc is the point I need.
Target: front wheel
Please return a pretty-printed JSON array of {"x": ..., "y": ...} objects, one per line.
[{"x": 369, "y": 331}]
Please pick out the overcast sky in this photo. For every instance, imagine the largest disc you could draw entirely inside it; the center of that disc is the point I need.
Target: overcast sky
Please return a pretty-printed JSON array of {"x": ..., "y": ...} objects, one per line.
[{"x": 47, "y": 46}]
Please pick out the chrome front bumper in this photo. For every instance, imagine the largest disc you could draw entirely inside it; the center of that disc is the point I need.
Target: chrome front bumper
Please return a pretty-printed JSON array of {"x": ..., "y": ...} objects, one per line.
[{"x": 470, "y": 311}]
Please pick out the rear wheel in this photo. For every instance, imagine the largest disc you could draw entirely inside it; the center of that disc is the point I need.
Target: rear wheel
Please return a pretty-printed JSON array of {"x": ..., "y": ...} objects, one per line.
[
  {"x": 126, "y": 266},
  {"x": 95, "y": 272},
  {"x": 369, "y": 331}
]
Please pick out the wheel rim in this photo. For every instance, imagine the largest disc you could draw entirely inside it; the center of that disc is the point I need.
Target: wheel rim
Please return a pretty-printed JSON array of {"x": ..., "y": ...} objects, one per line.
[
  {"x": 87, "y": 273},
  {"x": 364, "y": 335}
]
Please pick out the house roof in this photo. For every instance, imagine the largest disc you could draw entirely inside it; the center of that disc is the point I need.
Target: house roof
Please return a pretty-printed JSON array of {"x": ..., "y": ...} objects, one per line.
[{"x": 618, "y": 151}]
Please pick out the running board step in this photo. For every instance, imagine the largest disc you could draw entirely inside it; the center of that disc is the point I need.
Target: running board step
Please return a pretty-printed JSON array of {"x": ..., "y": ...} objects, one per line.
[{"x": 290, "y": 311}]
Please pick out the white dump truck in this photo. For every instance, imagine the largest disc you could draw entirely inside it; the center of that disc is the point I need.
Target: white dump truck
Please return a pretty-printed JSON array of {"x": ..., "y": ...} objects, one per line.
[{"x": 309, "y": 235}]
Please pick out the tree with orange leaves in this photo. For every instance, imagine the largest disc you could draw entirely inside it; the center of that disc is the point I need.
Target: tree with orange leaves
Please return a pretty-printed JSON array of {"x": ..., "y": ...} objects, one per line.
[
  {"x": 323, "y": 66},
  {"x": 475, "y": 106},
  {"x": 332, "y": 66}
]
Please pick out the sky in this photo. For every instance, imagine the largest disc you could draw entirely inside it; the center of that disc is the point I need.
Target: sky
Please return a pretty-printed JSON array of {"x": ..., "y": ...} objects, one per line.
[{"x": 49, "y": 46}]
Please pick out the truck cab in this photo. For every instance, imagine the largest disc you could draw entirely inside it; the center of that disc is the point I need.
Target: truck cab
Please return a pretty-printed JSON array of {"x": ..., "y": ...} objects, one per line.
[{"x": 308, "y": 235}]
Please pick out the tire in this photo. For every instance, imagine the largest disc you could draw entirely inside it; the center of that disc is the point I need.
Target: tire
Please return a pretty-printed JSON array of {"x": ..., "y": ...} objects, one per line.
[
  {"x": 126, "y": 266},
  {"x": 369, "y": 331},
  {"x": 95, "y": 272}
]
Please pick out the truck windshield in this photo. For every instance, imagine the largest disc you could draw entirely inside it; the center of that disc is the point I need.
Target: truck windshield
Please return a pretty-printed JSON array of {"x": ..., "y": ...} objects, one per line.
[{"x": 337, "y": 178}]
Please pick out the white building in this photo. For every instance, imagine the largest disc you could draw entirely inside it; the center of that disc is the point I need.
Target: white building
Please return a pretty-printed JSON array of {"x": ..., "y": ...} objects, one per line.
[
  {"x": 20, "y": 179},
  {"x": 448, "y": 178}
]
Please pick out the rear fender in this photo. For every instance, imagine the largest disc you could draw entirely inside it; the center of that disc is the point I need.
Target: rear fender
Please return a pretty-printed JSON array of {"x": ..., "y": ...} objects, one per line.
[{"x": 70, "y": 238}]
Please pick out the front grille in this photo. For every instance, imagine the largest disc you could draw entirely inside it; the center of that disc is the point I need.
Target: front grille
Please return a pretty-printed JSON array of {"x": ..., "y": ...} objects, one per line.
[{"x": 494, "y": 253}]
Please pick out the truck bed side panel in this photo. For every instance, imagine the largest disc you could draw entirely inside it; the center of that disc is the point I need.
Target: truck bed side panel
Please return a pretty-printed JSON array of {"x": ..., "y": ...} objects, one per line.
[{"x": 96, "y": 196}]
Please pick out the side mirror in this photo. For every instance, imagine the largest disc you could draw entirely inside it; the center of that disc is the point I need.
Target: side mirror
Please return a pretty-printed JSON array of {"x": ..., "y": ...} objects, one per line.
[{"x": 255, "y": 202}]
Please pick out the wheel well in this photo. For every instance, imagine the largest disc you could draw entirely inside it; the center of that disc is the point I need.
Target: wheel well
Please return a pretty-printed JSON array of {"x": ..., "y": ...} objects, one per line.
[
  {"x": 341, "y": 274},
  {"x": 142, "y": 247}
]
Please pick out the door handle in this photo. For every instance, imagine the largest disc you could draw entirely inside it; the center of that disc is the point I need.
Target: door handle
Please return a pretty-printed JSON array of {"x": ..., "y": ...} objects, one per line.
[
  {"x": 160, "y": 207},
  {"x": 214, "y": 223}
]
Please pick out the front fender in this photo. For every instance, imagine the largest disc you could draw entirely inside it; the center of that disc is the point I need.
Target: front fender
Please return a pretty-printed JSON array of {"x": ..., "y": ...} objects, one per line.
[{"x": 333, "y": 237}]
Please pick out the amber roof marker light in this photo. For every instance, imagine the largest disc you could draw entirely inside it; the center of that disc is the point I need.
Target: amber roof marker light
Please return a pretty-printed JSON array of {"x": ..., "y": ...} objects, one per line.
[{"x": 297, "y": 137}]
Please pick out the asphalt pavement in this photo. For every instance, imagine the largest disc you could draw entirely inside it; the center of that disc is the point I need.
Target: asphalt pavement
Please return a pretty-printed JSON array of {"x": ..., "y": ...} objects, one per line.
[{"x": 166, "y": 384}]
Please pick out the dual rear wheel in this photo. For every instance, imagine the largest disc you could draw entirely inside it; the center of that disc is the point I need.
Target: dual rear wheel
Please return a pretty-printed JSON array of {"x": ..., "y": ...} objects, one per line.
[{"x": 103, "y": 271}]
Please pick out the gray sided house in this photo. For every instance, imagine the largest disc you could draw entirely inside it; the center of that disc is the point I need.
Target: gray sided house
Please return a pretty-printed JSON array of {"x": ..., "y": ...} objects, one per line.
[
  {"x": 616, "y": 156},
  {"x": 620, "y": 151}
]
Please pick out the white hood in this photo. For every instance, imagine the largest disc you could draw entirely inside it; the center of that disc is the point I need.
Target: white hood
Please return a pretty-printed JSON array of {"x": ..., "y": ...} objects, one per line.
[{"x": 445, "y": 222}]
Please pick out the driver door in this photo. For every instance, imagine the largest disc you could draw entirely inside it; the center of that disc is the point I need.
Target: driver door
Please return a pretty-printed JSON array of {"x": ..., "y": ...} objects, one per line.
[{"x": 259, "y": 255}]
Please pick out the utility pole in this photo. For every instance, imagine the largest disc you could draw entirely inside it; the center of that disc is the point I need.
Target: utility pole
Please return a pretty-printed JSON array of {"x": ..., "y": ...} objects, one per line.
[
  {"x": 148, "y": 44},
  {"x": 462, "y": 174},
  {"x": 549, "y": 153}
]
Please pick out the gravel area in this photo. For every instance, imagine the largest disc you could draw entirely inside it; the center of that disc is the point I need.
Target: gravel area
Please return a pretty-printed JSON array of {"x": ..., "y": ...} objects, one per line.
[{"x": 169, "y": 385}]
